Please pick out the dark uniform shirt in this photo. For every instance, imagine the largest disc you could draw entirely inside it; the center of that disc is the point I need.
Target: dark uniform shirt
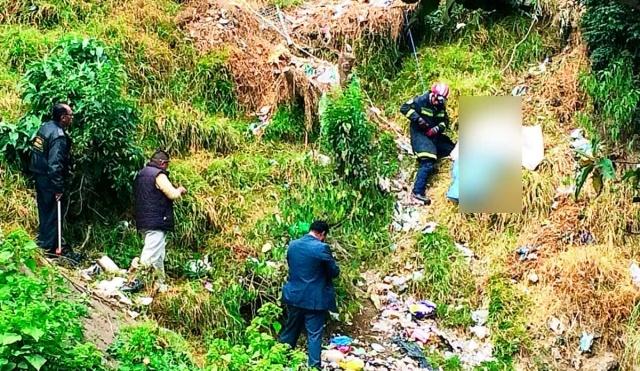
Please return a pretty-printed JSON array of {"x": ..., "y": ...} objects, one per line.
[
  {"x": 433, "y": 115},
  {"x": 50, "y": 155}
]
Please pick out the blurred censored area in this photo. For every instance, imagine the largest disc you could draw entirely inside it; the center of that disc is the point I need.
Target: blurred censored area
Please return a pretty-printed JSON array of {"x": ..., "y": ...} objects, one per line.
[{"x": 490, "y": 158}]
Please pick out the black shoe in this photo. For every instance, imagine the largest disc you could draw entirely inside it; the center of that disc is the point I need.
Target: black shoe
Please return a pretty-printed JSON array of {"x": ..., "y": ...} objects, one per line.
[
  {"x": 422, "y": 198},
  {"x": 133, "y": 286},
  {"x": 67, "y": 255}
]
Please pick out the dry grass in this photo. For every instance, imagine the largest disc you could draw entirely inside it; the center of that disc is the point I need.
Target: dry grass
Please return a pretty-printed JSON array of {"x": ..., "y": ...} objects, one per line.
[
  {"x": 591, "y": 286},
  {"x": 18, "y": 206}
]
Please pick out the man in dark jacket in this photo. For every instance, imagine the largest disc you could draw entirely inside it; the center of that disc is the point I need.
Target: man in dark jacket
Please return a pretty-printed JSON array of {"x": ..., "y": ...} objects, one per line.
[
  {"x": 429, "y": 119},
  {"x": 49, "y": 165},
  {"x": 309, "y": 293},
  {"x": 154, "y": 196}
]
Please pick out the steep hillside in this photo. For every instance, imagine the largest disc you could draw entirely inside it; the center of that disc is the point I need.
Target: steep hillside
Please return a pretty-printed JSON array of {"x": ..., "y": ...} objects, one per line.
[{"x": 280, "y": 112}]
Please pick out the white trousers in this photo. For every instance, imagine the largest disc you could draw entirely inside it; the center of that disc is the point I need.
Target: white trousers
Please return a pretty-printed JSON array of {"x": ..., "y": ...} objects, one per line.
[{"x": 153, "y": 252}]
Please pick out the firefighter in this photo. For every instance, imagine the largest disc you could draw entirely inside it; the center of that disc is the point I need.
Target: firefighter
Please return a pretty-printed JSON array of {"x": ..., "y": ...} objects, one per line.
[{"x": 429, "y": 119}]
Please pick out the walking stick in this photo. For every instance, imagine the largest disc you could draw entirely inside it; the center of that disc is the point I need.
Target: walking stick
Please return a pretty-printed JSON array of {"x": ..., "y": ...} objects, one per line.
[{"x": 59, "y": 249}]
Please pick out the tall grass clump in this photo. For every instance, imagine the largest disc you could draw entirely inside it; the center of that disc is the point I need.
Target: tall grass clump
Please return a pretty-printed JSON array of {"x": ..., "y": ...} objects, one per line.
[{"x": 48, "y": 13}]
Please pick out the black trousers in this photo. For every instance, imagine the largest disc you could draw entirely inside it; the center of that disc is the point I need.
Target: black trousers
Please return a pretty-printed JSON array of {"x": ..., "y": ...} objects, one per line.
[{"x": 47, "y": 214}]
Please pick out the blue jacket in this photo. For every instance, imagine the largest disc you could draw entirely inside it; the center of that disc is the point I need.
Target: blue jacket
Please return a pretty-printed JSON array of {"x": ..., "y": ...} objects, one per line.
[{"x": 311, "y": 271}]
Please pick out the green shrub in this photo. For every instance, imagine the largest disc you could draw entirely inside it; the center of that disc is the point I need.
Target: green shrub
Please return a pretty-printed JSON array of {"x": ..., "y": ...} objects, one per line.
[
  {"x": 149, "y": 347},
  {"x": 258, "y": 350},
  {"x": 287, "y": 124},
  {"x": 40, "y": 324},
  {"x": 348, "y": 136},
  {"x": 609, "y": 28},
  {"x": 83, "y": 73}
]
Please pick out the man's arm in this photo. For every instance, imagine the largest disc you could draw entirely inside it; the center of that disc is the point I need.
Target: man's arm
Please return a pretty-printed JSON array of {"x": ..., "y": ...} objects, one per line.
[
  {"x": 163, "y": 184},
  {"x": 332, "y": 266},
  {"x": 408, "y": 110},
  {"x": 58, "y": 153}
]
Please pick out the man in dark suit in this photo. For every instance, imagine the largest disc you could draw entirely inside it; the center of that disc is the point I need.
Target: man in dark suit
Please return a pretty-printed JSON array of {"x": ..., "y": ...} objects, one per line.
[{"x": 309, "y": 293}]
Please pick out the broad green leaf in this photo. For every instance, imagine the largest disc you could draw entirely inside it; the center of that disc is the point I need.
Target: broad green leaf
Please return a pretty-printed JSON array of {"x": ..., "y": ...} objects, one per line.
[
  {"x": 34, "y": 332},
  {"x": 582, "y": 177},
  {"x": 5, "y": 256},
  {"x": 36, "y": 360},
  {"x": 607, "y": 169},
  {"x": 277, "y": 327},
  {"x": 9, "y": 338}
]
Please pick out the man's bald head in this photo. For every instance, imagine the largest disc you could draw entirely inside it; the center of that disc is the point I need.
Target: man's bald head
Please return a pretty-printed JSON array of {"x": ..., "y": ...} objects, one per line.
[{"x": 62, "y": 114}]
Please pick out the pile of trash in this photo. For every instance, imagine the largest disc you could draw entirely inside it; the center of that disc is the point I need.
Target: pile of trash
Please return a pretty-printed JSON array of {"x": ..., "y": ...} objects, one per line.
[
  {"x": 405, "y": 331},
  {"x": 110, "y": 289}
]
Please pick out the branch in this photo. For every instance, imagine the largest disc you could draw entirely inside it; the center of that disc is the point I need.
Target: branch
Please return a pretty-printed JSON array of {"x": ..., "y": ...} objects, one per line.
[{"x": 513, "y": 52}]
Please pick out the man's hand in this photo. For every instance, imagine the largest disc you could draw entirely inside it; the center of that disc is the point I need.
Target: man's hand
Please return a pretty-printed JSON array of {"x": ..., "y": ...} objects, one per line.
[
  {"x": 433, "y": 131},
  {"x": 182, "y": 190},
  {"x": 58, "y": 196}
]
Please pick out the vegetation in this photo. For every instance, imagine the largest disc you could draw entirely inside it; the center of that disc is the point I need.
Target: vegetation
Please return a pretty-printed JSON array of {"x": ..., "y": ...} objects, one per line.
[{"x": 40, "y": 322}]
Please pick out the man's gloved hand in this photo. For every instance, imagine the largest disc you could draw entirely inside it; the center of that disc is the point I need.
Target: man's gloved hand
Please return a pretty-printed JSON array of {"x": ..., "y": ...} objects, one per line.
[
  {"x": 435, "y": 130},
  {"x": 422, "y": 122}
]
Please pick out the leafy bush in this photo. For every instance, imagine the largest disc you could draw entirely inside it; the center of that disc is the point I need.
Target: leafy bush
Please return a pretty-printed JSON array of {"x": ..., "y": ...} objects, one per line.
[
  {"x": 149, "y": 347},
  {"x": 82, "y": 72},
  {"x": 259, "y": 350},
  {"x": 21, "y": 45},
  {"x": 40, "y": 325},
  {"x": 610, "y": 27},
  {"x": 347, "y": 134}
]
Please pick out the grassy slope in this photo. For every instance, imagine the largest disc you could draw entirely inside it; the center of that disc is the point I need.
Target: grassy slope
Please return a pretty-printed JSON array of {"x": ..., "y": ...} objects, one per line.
[{"x": 236, "y": 186}]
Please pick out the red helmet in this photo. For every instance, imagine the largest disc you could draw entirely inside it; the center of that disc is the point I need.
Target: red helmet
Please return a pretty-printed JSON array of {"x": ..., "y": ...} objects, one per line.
[{"x": 440, "y": 88}]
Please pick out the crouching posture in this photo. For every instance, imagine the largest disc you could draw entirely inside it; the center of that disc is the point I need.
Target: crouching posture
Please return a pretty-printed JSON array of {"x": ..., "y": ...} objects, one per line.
[
  {"x": 309, "y": 293},
  {"x": 429, "y": 119},
  {"x": 154, "y": 196}
]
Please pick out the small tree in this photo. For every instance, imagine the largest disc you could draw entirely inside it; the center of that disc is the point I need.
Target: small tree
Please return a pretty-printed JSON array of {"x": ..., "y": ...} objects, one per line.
[
  {"x": 83, "y": 73},
  {"x": 348, "y": 135}
]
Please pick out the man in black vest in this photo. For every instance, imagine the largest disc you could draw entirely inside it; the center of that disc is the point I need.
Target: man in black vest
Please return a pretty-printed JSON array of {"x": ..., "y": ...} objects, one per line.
[
  {"x": 154, "y": 196},
  {"x": 49, "y": 166}
]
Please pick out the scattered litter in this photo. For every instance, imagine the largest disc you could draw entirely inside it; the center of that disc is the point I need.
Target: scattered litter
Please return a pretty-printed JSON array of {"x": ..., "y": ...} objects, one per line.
[
  {"x": 466, "y": 252},
  {"x": 381, "y": 3},
  {"x": 108, "y": 265},
  {"x": 413, "y": 351},
  {"x": 323, "y": 160},
  {"x": 267, "y": 247},
  {"x": 480, "y": 332},
  {"x": 634, "y": 269},
  {"x": 519, "y": 90},
  {"x": 358, "y": 352},
  {"x": 342, "y": 343},
  {"x": 135, "y": 264},
  {"x": 556, "y": 326},
  {"x": 146, "y": 301},
  {"x": 384, "y": 184},
  {"x": 405, "y": 219},
  {"x": 89, "y": 273},
  {"x": 532, "y": 146},
  {"x": 460, "y": 25},
  {"x": 565, "y": 191},
  {"x": 527, "y": 253},
  {"x": 429, "y": 228},
  {"x": 580, "y": 143},
  {"x": 533, "y": 277},
  {"x": 199, "y": 267},
  {"x": 586, "y": 238},
  {"x": 423, "y": 309},
  {"x": 377, "y": 347},
  {"x": 208, "y": 285},
  {"x": 332, "y": 355},
  {"x": 163, "y": 288},
  {"x": 133, "y": 314},
  {"x": 352, "y": 364},
  {"x": 417, "y": 276},
  {"x": 586, "y": 341},
  {"x": 110, "y": 288},
  {"x": 480, "y": 316},
  {"x": 420, "y": 335}
]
